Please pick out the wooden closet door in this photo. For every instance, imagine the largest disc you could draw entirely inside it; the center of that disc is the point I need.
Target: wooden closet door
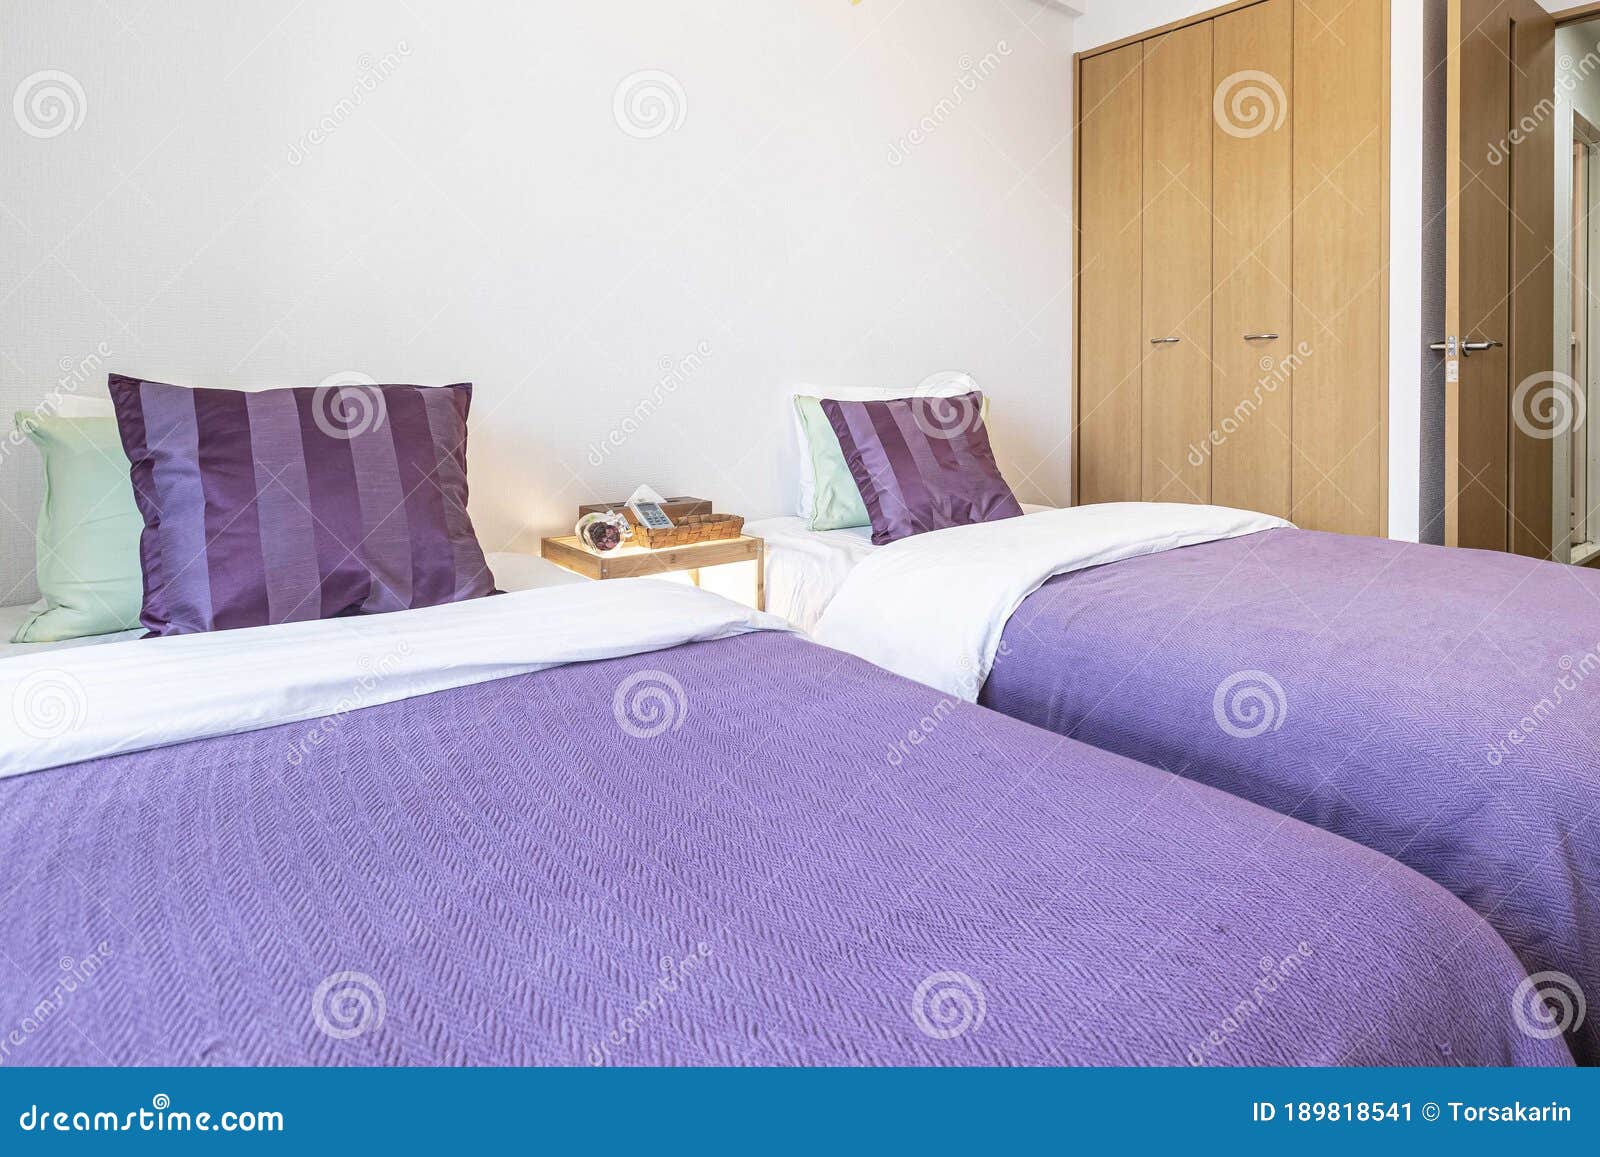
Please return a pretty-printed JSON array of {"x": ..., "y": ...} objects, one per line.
[
  {"x": 1340, "y": 221},
  {"x": 1505, "y": 404},
  {"x": 1176, "y": 375},
  {"x": 1252, "y": 338},
  {"x": 1476, "y": 500},
  {"x": 1110, "y": 336}
]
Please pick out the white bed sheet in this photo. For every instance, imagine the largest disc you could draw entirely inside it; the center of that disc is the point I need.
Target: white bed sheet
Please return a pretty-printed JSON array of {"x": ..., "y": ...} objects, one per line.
[
  {"x": 95, "y": 701},
  {"x": 512, "y": 572},
  {"x": 805, "y": 568},
  {"x": 897, "y": 611}
]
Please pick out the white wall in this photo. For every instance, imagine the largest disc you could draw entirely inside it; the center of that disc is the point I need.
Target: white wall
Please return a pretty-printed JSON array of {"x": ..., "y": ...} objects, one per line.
[
  {"x": 1103, "y": 21},
  {"x": 472, "y": 208},
  {"x": 1406, "y": 223}
]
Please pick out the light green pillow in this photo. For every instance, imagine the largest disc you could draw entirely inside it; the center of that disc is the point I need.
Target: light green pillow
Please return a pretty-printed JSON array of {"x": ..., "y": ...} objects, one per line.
[
  {"x": 88, "y": 535},
  {"x": 835, "y": 497}
]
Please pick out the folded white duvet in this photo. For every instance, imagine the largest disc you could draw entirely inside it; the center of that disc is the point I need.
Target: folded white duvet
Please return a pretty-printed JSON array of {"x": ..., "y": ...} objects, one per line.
[
  {"x": 932, "y": 607},
  {"x": 65, "y": 706}
]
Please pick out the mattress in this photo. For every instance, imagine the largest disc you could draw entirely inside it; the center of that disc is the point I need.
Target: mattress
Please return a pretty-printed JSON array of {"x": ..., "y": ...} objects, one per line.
[{"x": 512, "y": 572}]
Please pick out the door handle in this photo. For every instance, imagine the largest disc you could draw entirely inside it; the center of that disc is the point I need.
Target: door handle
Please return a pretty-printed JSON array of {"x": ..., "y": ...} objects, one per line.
[
  {"x": 1468, "y": 348},
  {"x": 1163, "y": 340},
  {"x": 1260, "y": 337}
]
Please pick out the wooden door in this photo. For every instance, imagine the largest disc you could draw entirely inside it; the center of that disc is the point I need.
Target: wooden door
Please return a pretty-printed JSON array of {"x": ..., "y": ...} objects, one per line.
[
  {"x": 1176, "y": 372},
  {"x": 1110, "y": 334},
  {"x": 1339, "y": 120},
  {"x": 1252, "y": 338},
  {"x": 1505, "y": 404}
]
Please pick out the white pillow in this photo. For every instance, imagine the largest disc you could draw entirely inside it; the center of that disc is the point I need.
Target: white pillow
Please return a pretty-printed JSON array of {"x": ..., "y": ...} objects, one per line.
[
  {"x": 944, "y": 384},
  {"x": 77, "y": 406}
]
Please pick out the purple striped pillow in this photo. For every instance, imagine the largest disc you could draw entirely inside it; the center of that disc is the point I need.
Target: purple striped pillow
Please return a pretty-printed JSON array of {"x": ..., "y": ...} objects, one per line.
[
  {"x": 921, "y": 463},
  {"x": 286, "y": 505}
]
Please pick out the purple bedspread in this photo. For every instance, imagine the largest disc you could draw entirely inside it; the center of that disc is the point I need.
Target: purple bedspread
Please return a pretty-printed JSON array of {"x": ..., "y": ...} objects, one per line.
[
  {"x": 726, "y": 853},
  {"x": 1440, "y": 706}
]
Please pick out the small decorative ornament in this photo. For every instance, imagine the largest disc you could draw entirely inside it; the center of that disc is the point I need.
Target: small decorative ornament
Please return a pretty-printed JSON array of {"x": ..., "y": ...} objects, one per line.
[{"x": 603, "y": 532}]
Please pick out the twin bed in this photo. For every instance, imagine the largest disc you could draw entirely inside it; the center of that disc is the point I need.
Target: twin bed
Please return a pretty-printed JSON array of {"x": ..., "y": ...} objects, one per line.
[
  {"x": 696, "y": 839},
  {"x": 1441, "y": 707},
  {"x": 337, "y": 806}
]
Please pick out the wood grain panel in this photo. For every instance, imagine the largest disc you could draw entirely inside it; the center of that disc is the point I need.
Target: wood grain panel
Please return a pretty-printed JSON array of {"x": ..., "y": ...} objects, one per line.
[
  {"x": 1252, "y": 251},
  {"x": 1176, "y": 375},
  {"x": 1532, "y": 484},
  {"x": 637, "y": 562},
  {"x": 1110, "y": 337},
  {"x": 1478, "y": 404},
  {"x": 1340, "y": 385}
]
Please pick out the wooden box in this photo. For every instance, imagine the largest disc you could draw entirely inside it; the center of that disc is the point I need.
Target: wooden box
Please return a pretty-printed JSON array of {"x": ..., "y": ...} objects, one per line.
[{"x": 673, "y": 508}]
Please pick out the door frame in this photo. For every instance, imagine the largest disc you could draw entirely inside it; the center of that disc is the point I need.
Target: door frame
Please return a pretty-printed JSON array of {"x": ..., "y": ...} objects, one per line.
[
  {"x": 1077, "y": 238},
  {"x": 1577, "y": 13},
  {"x": 1581, "y": 14}
]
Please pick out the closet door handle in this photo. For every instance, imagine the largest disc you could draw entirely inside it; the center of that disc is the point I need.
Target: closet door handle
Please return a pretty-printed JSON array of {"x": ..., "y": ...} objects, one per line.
[
  {"x": 1260, "y": 337},
  {"x": 1468, "y": 348},
  {"x": 1163, "y": 340}
]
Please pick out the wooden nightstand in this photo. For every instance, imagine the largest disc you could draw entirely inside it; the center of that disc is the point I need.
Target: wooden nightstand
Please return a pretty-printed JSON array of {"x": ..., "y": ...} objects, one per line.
[{"x": 638, "y": 562}]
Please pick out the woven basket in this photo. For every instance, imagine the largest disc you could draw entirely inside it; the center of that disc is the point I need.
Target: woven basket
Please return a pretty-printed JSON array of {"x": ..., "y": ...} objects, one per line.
[{"x": 689, "y": 529}]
